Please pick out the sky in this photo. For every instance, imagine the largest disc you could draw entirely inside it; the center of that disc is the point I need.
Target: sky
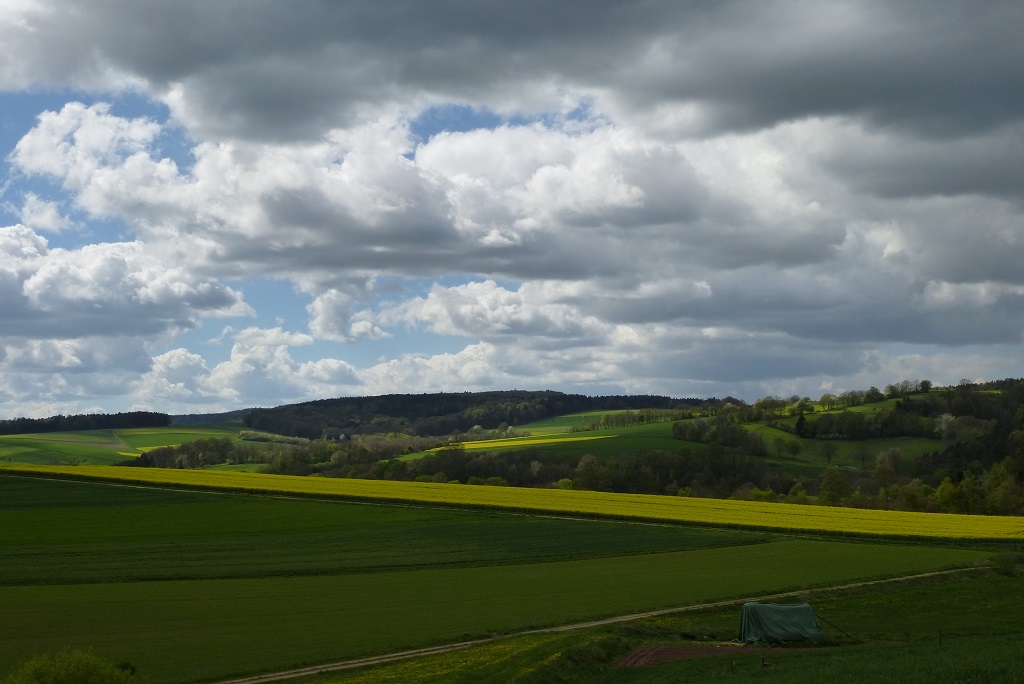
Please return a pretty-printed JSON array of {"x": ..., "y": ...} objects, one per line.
[{"x": 207, "y": 206}]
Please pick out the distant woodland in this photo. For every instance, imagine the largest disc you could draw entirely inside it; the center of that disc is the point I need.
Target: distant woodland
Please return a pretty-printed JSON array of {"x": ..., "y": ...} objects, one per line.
[
  {"x": 440, "y": 414},
  {"x": 88, "y": 421}
]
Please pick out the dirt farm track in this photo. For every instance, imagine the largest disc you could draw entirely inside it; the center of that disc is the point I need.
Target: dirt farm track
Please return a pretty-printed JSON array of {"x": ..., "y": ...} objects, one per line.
[{"x": 638, "y": 658}]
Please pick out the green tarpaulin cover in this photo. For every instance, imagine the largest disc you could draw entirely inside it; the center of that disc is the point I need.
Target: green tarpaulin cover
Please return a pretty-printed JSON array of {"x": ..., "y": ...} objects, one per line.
[{"x": 775, "y": 623}]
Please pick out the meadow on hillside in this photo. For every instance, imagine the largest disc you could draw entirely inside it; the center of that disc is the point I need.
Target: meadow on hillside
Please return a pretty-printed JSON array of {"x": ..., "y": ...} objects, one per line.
[{"x": 100, "y": 447}]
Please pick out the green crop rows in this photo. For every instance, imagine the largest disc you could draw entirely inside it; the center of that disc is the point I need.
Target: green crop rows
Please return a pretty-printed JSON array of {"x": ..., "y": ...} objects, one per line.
[
  {"x": 61, "y": 532},
  {"x": 376, "y": 578}
]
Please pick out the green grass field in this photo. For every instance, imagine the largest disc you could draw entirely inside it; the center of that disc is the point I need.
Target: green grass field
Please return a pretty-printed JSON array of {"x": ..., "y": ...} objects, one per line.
[
  {"x": 93, "y": 532},
  {"x": 100, "y": 447},
  {"x": 377, "y": 578},
  {"x": 97, "y": 447},
  {"x": 149, "y": 438},
  {"x": 885, "y": 633}
]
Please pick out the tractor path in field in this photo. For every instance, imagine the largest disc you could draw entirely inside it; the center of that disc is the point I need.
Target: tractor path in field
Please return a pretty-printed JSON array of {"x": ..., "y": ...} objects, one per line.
[{"x": 434, "y": 650}]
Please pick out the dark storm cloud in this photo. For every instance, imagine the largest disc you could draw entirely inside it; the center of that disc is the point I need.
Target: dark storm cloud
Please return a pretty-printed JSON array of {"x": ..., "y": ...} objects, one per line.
[
  {"x": 938, "y": 68},
  {"x": 893, "y": 166},
  {"x": 278, "y": 70}
]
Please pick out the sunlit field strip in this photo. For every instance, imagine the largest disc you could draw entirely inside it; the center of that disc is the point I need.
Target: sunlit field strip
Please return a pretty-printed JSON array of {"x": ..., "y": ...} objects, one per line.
[
  {"x": 155, "y": 431},
  {"x": 718, "y": 512},
  {"x": 527, "y": 441}
]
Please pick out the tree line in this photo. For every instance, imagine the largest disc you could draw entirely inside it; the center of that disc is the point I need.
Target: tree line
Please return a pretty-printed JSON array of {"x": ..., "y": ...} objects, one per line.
[
  {"x": 86, "y": 421},
  {"x": 645, "y": 416},
  {"x": 440, "y": 413}
]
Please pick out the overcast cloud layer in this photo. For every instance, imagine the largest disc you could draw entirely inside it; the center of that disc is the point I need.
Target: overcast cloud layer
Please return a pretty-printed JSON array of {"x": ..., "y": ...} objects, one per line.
[{"x": 208, "y": 206}]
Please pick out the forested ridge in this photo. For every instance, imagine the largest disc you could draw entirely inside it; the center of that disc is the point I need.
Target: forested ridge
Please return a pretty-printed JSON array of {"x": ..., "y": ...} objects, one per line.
[
  {"x": 440, "y": 413},
  {"x": 85, "y": 421}
]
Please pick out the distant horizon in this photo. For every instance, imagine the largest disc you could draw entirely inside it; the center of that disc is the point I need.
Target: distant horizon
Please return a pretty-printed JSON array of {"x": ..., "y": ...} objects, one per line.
[{"x": 485, "y": 391}]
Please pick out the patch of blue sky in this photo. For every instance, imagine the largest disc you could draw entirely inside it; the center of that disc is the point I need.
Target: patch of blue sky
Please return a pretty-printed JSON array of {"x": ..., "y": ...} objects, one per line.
[
  {"x": 460, "y": 118},
  {"x": 277, "y": 303},
  {"x": 19, "y": 113},
  {"x": 453, "y": 118}
]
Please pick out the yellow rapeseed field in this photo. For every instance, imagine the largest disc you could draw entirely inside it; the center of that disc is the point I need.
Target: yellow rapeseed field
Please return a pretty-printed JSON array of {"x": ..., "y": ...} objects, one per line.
[
  {"x": 528, "y": 441},
  {"x": 717, "y": 512}
]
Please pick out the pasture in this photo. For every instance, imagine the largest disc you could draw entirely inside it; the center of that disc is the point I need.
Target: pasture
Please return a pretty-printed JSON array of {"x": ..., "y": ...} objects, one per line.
[
  {"x": 99, "y": 447},
  {"x": 145, "y": 575}
]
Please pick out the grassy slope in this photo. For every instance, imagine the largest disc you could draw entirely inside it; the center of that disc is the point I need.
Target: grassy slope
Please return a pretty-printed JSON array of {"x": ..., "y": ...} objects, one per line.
[
  {"x": 230, "y": 626},
  {"x": 148, "y": 438},
  {"x": 99, "y": 447}
]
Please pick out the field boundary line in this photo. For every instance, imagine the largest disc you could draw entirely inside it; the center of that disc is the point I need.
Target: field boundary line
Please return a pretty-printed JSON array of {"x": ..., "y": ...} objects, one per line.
[{"x": 446, "y": 648}]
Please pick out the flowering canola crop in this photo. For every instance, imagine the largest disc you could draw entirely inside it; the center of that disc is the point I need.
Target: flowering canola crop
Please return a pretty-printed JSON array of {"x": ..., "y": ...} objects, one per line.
[
  {"x": 714, "y": 512},
  {"x": 534, "y": 440}
]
